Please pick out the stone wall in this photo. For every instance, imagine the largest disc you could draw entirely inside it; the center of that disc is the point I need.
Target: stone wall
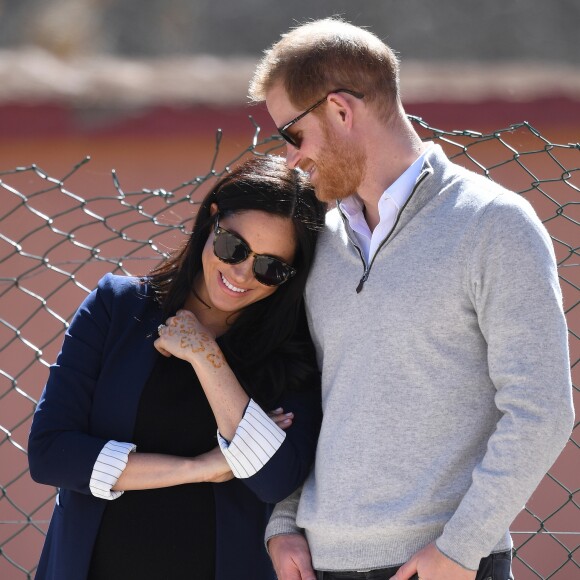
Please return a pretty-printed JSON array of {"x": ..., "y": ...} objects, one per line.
[{"x": 448, "y": 30}]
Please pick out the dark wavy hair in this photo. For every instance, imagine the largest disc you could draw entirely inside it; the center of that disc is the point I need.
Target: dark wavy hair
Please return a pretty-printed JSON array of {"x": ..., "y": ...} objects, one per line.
[{"x": 268, "y": 344}]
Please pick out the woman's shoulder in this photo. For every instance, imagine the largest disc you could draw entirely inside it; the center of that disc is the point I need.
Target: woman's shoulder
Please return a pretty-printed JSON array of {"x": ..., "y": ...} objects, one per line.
[
  {"x": 127, "y": 292},
  {"x": 120, "y": 286}
]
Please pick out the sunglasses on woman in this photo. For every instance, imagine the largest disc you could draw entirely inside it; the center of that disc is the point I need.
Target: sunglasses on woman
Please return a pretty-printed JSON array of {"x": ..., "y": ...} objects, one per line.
[
  {"x": 231, "y": 249},
  {"x": 297, "y": 141}
]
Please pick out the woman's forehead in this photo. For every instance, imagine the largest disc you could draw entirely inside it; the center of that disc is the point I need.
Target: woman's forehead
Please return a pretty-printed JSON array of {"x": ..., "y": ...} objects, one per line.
[{"x": 264, "y": 232}]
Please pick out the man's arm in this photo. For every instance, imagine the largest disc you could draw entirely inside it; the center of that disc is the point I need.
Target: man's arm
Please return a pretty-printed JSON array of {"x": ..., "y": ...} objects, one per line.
[
  {"x": 515, "y": 291},
  {"x": 286, "y": 542},
  {"x": 513, "y": 285}
]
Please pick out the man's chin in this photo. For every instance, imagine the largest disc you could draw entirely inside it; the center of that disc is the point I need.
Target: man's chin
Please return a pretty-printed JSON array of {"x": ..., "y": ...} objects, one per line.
[{"x": 327, "y": 195}]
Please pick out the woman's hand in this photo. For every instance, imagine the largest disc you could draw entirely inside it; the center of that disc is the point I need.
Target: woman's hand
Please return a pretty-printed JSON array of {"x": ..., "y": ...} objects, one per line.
[
  {"x": 186, "y": 338},
  {"x": 283, "y": 420},
  {"x": 215, "y": 466}
]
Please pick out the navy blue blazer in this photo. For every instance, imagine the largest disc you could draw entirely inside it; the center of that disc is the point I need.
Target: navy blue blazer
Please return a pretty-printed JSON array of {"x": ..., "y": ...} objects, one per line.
[{"x": 92, "y": 396}]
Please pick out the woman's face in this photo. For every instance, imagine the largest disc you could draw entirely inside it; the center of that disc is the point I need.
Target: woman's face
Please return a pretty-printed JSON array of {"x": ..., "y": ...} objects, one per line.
[{"x": 232, "y": 287}]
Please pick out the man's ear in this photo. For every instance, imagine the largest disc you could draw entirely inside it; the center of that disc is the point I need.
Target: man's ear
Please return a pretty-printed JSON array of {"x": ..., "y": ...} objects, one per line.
[{"x": 340, "y": 108}]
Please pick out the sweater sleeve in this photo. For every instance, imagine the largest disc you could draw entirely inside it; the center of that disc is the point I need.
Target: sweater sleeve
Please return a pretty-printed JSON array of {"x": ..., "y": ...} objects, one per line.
[
  {"x": 61, "y": 452},
  {"x": 283, "y": 518},
  {"x": 513, "y": 284}
]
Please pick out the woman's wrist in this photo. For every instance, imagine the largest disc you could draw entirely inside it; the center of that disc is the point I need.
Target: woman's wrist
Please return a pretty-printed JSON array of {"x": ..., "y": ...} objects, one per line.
[
  {"x": 203, "y": 469},
  {"x": 212, "y": 467},
  {"x": 195, "y": 469},
  {"x": 210, "y": 357}
]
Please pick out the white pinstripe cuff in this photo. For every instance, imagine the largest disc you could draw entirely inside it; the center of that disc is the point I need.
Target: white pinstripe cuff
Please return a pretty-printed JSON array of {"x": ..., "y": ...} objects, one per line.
[
  {"x": 109, "y": 465},
  {"x": 256, "y": 440}
]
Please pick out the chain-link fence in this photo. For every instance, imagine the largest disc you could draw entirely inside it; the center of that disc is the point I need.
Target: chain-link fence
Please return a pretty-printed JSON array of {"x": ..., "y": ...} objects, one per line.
[{"x": 55, "y": 244}]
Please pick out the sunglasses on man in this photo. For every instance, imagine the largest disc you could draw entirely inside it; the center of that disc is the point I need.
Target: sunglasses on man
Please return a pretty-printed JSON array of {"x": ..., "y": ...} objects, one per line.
[
  {"x": 231, "y": 249},
  {"x": 297, "y": 141}
]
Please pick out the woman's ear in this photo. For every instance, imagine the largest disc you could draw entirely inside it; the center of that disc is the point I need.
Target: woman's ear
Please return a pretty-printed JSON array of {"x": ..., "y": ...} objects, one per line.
[{"x": 213, "y": 209}]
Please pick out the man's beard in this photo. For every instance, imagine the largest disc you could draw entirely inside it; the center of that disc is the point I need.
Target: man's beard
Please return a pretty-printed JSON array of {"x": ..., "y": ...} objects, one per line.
[{"x": 340, "y": 168}]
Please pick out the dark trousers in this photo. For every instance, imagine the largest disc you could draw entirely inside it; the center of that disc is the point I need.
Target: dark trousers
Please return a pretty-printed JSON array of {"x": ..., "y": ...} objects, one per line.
[{"x": 496, "y": 566}]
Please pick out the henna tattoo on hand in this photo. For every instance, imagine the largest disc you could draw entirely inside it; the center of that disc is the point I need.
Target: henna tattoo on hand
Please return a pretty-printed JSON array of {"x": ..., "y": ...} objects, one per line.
[
  {"x": 185, "y": 343},
  {"x": 189, "y": 337},
  {"x": 216, "y": 360}
]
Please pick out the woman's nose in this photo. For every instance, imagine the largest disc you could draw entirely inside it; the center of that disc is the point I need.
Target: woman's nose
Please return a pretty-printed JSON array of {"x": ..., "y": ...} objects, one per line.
[{"x": 242, "y": 272}]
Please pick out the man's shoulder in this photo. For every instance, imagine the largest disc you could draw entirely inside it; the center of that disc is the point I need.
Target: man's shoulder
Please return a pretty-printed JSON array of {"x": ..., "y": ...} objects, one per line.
[
  {"x": 464, "y": 188},
  {"x": 334, "y": 228},
  {"x": 450, "y": 175}
]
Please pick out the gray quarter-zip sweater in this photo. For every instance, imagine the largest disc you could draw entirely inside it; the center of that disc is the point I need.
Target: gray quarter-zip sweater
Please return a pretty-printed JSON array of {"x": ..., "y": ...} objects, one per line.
[{"x": 445, "y": 380}]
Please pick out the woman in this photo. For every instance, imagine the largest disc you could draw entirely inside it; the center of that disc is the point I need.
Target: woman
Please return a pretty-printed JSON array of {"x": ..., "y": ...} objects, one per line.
[{"x": 151, "y": 369}]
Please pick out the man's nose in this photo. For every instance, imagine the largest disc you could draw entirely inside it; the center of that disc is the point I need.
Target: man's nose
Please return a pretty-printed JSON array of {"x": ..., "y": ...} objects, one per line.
[{"x": 292, "y": 156}]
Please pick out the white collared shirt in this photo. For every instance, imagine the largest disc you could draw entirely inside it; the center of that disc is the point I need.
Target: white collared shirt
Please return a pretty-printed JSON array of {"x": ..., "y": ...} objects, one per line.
[{"x": 390, "y": 204}]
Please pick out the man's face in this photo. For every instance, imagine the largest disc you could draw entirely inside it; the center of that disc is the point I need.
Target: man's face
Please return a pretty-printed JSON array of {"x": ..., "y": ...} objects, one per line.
[
  {"x": 336, "y": 165},
  {"x": 340, "y": 166}
]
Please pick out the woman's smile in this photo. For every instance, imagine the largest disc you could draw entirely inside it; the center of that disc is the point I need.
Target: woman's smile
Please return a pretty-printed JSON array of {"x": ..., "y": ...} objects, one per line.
[{"x": 230, "y": 286}]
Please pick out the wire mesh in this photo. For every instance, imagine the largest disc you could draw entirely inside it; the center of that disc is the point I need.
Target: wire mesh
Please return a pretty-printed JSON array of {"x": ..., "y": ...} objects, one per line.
[{"x": 55, "y": 244}]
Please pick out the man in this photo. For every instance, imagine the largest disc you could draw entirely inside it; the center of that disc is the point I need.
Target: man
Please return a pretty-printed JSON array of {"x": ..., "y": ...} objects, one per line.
[{"x": 436, "y": 312}]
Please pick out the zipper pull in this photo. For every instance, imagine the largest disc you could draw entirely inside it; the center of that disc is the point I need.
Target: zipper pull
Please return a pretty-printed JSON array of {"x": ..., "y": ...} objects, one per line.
[{"x": 362, "y": 281}]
